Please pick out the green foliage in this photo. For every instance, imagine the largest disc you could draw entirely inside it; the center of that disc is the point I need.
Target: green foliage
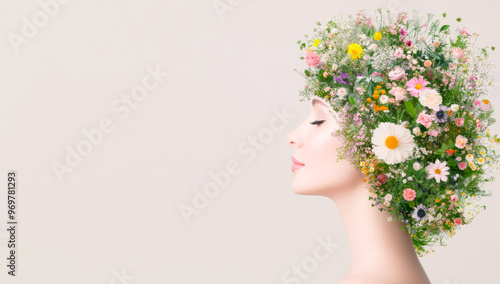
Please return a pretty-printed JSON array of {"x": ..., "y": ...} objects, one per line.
[{"x": 409, "y": 108}]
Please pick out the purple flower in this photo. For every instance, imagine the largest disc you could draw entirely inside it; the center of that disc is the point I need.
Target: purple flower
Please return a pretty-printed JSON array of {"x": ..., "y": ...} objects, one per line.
[
  {"x": 340, "y": 79},
  {"x": 441, "y": 115}
]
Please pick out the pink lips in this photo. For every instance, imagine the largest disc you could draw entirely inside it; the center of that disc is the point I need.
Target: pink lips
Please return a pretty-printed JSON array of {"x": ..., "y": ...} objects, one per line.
[{"x": 296, "y": 164}]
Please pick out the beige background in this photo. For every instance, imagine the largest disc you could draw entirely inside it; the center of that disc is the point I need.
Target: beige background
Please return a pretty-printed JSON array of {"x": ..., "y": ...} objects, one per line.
[{"x": 117, "y": 213}]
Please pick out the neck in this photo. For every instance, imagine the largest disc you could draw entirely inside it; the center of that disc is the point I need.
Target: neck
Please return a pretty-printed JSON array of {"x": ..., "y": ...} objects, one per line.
[{"x": 376, "y": 245}]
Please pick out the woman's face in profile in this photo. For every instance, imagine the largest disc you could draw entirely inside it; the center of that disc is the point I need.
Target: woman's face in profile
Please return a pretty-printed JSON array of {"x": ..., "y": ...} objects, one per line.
[{"x": 316, "y": 148}]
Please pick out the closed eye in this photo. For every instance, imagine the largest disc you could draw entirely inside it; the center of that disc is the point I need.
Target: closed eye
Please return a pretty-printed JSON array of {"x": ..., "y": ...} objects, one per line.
[{"x": 318, "y": 122}]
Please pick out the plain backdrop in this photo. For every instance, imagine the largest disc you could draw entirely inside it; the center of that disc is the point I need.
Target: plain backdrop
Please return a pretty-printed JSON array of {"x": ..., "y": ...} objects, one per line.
[{"x": 114, "y": 217}]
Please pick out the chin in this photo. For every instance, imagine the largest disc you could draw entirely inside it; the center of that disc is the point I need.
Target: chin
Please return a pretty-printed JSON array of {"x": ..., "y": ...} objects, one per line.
[{"x": 311, "y": 187}]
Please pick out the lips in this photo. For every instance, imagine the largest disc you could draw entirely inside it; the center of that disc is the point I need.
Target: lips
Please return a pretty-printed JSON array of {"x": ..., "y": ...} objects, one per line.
[{"x": 296, "y": 164}]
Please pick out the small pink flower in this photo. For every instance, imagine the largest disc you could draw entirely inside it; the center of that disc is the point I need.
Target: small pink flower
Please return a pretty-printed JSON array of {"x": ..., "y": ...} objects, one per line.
[
  {"x": 392, "y": 29},
  {"x": 312, "y": 59},
  {"x": 399, "y": 52},
  {"x": 381, "y": 177},
  {"x": 458, "y": 221},
  {"x": 477, "y": 103},
  {"x": 454, "y": 198},
  {"x": 462, "y": 165},
  {"x": 424, "y": 119},
  {"x": 460, "y": 142},
  {"x": 485, "y": 105},
  {"x": 465, "y": 31},
  {"x": 459, "y": 122},
  {"x": 433, "y": 133},
  {"x": 408, "y": 42},
  {"x": 457, "y": 52},
  {"x": 397, "y": 73},
  {"x": 403, "y": 32},
  {"x": 409, "y": 194},
  {"x": 451, "y": 66}
]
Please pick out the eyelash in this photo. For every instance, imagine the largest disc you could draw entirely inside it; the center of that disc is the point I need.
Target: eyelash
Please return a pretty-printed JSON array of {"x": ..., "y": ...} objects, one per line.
[{"x": 318, "y": 122}]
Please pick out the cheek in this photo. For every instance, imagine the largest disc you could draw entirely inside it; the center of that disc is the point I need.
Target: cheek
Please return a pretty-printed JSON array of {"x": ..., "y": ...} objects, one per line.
[{"x": 323, "y": 174}]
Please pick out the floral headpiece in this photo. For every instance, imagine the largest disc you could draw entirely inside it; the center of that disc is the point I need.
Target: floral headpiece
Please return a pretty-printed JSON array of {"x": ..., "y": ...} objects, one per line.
[{"x": 410, "y": 97}]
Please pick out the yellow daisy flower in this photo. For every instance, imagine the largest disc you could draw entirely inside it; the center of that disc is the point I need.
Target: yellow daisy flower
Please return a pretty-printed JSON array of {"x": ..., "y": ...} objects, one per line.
[{"x": 354, "y": 51}]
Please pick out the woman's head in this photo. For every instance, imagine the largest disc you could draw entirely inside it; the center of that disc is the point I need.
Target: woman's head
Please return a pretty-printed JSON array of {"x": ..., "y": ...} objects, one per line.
[{"x": 316, "y": 148}]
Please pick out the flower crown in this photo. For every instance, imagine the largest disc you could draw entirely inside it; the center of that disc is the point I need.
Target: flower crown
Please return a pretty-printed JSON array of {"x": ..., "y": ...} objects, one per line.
[{"x": 407, "y": 93}]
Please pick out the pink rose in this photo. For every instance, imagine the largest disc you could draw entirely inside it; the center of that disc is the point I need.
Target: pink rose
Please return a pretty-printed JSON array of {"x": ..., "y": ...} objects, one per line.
[
  {"x": 409, "y": 194},
  {"x": 477, "y": 103},
  {"x": 454, "y": 198},
  {"x": 465, "y": 31},
  {"x": 399, "y": 52},
  {"x": 459, "y": 122},
  {"x": 458, "y": 221},
  {"x": 424, "y": 119},
  {"x": 451, "y": 66},
  {"x": 457, "y": 52},
  {"x": 462, "y": 165},
  {"x": 460, "y": 142},
  {"x": 312, "y": 59},
  {"x": 399, "y": 93},
  {"x": 397, "y": 73},
  {"x": 433, "y": 133}
]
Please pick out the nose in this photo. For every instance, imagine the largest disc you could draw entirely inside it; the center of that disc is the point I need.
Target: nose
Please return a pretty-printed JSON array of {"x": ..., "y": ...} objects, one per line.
[{"x": 291, "y": 139}]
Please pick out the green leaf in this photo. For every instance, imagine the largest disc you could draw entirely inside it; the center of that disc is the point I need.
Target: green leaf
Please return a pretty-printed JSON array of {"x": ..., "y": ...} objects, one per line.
[
  {"x": 443, "y": 28},
  {"x": 409, "y": 107},
  {"x": 371, "y": 88},
  {"x": 412, "y": 204},
  {"x": 351, "y": 99},
  {"x": 377, "y": 79}
]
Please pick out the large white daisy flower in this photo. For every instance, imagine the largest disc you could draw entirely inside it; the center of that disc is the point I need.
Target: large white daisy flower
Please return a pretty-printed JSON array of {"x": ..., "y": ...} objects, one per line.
[
  {"x": 392, "y": 143},
  {"x": 438, "y": 170}
]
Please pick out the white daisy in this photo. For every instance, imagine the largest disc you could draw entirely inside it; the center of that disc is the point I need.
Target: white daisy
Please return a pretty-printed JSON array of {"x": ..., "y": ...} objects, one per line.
[
  {"x": 438, "y": 170},
  {"x": 392, "y": 143}
]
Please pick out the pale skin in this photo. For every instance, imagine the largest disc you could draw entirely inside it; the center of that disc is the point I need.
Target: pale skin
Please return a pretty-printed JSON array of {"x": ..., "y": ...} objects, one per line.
[{"x": 381, "y": 252}]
